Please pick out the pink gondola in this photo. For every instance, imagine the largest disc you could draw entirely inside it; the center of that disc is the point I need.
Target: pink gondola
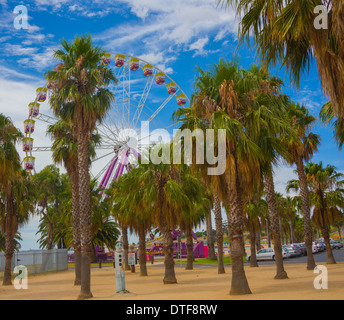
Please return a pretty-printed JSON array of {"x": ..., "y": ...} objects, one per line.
[
  {"x": 147, "y": 70},
  {"x": 27, "y": 144},
  {"x": 51, "y": 85},
  {"x": 29, "y": 126},
  {"x": 119, "y": 60},
  {"x": 160, "y": 78},
  {"x": 41, "y": 94},
  {"x": 29, "y": 163},
  {"x": 34, "y": 109},
  {"x": 171, "y": 88},
  {"x": 134, "y": 64},
  {"x": 106, "y": 59},
  {"x": 181, "y": 100}
]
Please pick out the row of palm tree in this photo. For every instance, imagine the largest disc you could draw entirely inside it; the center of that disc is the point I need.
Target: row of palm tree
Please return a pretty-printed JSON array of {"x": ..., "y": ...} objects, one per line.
[
  {"x": 247, "y": 104},
  {"x": 262, "y": 127}
]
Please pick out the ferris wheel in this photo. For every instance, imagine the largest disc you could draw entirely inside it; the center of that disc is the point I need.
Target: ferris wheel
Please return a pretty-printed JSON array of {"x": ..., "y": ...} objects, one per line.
[{"x": 145, "y": 98}]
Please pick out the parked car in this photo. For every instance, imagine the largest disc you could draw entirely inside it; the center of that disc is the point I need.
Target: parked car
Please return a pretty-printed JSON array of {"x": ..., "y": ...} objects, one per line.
[
  {"x": 335, "y": 244},
  {"x": 322, "y": 243},
  {"x": 297, "y": 247},
  {"x": 302, "y": 248},
  {"x": 320, "y": 246},
  {"x": 293, "y": 252},
  {"x": 267, "y": 254},
  {"x": 315, "y": 247}
]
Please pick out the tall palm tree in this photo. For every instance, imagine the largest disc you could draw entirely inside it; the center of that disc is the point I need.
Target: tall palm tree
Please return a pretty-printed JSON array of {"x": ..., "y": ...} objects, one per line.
[
  {"x": 15, "y": 190},
  {"x": 325, "y": 184},
  {"x": 219, "y": 233},
  {"x": 209, "y": 228},
  {"x": 65, "y": 151},
  {"x": 81, "y": 97},
  {"x": 284, "y": 32},
  {"x": 301, "y": 149},
  {"x": 19, "y": 204},
  {"x": 254, "y": 210}
]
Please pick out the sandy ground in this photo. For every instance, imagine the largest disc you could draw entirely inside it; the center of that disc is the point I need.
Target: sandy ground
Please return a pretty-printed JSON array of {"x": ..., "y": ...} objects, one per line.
[{"x": 198, "y": 284}]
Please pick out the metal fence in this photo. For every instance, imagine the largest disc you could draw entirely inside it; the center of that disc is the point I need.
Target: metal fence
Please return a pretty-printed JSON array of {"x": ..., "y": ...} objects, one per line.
[{"x": 39, "y": 261}]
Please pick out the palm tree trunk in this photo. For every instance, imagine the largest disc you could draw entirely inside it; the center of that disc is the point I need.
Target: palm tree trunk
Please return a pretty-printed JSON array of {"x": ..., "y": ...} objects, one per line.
[
  {"x": 76, "y": 226},
  {"x": 339, "y": 233},
  {"x": 219, "y": 234},
  {"x": 46, "y": 255},
  {"x": 142, "y": 249},
  {"x": 170, "y": 276},
  {"x": 306, "y": 212},
  {"x": 329, "y": 254},
  {"x": 253, "y": 258},
  {"x": 189, "y": 248},
  {"x": 9, "y": 227},
  {"x": 9, "y": 250},
  {"x": 210, "y": 242},
  {"x": 258, "y": 240},
  {"x": 275, "y": 228},
  {"x": 239, "y": 285},
  {"x": 268, "y": 233},
  {"x": 125, "y": 246},
  {"x": 85, "y": 215}
]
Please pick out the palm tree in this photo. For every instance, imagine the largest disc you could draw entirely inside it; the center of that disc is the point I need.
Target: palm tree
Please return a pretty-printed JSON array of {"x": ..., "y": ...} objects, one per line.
[
  {"x": 301, "y": 149},
  {"x": 219, "y": 234},
  {"x": 48, "y": 188},
  {"x": 15, "y": 190},
  {"x": 326, "y": 196},
  {"x": 19, "y": 204},
  {"x": 9, "y": 157},
  {"x": 81, "y": 97},
  {"x": 65, "y": 151},
  {"x": 284, "y": 32},
  {"x": 209, "y": 228},
  {"x": 192, "y": 214},
  {"x": 254, "y": 210},
  {"x": 128, "y": 209}
]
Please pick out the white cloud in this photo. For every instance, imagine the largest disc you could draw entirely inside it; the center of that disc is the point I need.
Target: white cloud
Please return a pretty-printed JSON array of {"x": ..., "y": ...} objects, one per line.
[
  {"x": 199, "y": 45},
  {"x": 167, "y": 29},
  {"x": 282, "y": 174}
]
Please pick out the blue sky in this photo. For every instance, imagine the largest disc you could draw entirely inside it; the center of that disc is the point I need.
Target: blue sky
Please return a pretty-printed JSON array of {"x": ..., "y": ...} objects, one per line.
[{"x": 176, "y": 35}]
